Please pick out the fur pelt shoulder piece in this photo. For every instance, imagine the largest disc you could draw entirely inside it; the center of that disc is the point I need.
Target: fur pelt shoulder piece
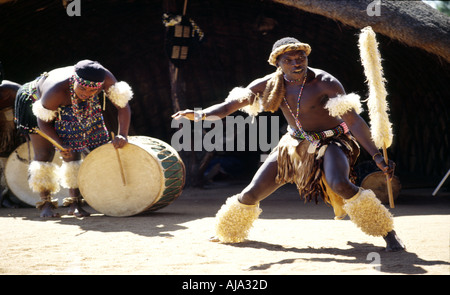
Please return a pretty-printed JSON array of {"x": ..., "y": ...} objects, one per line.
[
  {"x": 120, "y": 93},
  {"x": 42, "y": 113},
  {"x": 341, "y": 104}
]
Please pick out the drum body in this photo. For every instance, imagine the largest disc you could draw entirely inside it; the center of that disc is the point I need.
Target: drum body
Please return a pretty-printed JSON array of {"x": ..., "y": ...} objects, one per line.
[
  {"x": 370, "y": 177},
  {"x": 154, "y": 177},
  {"x": 16, "y": 175}
]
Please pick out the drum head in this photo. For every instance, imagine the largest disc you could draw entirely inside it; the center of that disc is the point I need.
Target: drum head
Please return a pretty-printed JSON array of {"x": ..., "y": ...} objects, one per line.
[
  {"x": 16, "y": 174},
  {"x": 376, "y": 181},
  {"x": 101, "y": 184}
]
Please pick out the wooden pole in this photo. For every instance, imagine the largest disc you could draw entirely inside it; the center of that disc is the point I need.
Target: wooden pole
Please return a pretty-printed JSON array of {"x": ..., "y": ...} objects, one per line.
[
  {"x": 50, "y": 139},
  {"x": 120, "y": 163},
  {"x": 388, "y": 180}
]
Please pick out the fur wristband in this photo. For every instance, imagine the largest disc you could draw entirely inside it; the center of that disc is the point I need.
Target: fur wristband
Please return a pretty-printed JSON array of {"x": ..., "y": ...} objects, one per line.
[
  {"x": 42, "y": 113},
  {"x": 120, "y": 93}
]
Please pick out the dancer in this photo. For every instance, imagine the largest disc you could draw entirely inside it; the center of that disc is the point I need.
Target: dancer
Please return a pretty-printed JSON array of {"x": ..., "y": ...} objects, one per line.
[
  {"x": 65, "y": 105},
  {"x": 317, "y": 153}
]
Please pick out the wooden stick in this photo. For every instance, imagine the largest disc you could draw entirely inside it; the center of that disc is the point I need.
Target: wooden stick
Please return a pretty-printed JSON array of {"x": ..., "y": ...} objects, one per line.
[
  {"x": 50, "y": 139},
  {"x": 120, "y": 163},
  {"x": 388, "y": 180}
]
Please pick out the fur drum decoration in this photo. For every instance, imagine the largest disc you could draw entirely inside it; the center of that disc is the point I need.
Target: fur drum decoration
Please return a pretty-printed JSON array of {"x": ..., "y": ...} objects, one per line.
[{"x": 234, "y": 220}]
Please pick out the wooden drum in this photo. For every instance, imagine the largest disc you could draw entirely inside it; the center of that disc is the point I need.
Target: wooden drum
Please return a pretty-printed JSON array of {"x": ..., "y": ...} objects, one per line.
[
  {"x": 153, "y": 171},
  {"x": 370, "y": 177},
  {"x": 16, "y": 175}
]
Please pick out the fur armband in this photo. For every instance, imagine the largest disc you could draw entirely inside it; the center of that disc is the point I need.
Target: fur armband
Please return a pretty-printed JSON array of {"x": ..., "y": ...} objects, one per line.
[
  {"x": 120, "y": 93},
  {"x": 42, "y": 113},
  {"x": 241, "y": 94},
  {"x": 341, "y": 104},
  {"x": 69, "y": 173},
  {"x": 43, "y": 177}
]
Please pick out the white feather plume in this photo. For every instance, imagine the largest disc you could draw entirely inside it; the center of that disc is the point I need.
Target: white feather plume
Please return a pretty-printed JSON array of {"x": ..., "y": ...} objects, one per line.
[{"x": 381, "y": 128}]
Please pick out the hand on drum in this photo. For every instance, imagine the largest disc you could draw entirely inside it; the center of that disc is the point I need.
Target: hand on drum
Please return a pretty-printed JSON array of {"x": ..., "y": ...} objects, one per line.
[
  {"x": 381, "y": 163},
  {"x": 119, "y": 141}
]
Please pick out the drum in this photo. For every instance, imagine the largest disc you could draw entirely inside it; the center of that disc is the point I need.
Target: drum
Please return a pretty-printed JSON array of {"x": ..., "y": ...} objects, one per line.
[
  {"x": 371, "y": 177},
  {"x": 154, "y": 177},
  {"x": 16, "y": 175}
]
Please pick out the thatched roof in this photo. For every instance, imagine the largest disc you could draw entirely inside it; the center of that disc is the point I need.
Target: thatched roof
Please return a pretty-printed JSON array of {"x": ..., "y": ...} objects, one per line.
[{"x": 411, "y": 22}]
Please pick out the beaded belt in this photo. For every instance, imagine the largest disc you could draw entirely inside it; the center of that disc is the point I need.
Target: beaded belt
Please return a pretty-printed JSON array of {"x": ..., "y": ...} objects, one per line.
[{"x": 317, "y": 136}]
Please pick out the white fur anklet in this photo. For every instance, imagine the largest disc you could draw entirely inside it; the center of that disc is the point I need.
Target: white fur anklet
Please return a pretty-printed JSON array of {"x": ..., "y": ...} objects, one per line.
[
  {"x": 69, "y": 173},
  {"x": 234, "y": 220},
  {"x": 43, "y": 177},
  {"x": 367, "y": 212}
]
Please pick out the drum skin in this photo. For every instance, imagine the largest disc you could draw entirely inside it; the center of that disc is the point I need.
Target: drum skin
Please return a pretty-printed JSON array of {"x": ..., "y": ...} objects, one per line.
[
  {"x": 16, "y": 174},
  {"x": 154, "y": 177},
  {"x": 376, "y": 181}
]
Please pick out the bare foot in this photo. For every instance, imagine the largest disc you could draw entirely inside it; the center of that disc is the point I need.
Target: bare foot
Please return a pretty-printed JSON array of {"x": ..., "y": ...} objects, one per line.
[
  {"x": 47, "y": 211},
  {"x": 393, "y": 242},
  {"x": 76, "y": 210}
]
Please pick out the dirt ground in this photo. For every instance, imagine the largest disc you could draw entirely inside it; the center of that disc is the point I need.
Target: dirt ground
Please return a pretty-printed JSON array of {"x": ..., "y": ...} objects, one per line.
[{"x": 290, "y": 237}]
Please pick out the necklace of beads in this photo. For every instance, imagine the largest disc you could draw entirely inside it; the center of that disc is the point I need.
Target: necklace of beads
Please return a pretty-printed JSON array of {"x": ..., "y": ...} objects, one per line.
[
  {"x": 291, "y": 81},
  {"x": 82, "y": 117},
  {"x": 297, "y": 122}
]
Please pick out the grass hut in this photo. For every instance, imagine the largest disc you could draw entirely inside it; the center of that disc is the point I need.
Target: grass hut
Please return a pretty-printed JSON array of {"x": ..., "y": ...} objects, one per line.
[{"x": 129, "y": 37}]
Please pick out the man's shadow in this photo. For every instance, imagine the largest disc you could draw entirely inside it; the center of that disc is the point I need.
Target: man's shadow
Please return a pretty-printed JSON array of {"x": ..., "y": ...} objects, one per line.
[{"x": 402, "y": 262}]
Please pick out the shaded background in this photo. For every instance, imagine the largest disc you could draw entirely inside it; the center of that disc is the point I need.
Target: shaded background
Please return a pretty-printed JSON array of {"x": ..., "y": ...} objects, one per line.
[{"x": 128, "y": 38}]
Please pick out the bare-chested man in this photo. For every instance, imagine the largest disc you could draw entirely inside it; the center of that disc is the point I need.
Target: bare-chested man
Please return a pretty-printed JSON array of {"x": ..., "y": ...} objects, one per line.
[
  {"x": 65, "y": 105},
  {"x": 317, "y": 153}
]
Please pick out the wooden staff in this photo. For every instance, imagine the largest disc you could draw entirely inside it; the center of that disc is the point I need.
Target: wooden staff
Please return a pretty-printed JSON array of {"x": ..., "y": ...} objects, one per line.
[
  {"x": 381, "y": 128},
  {"x": 49, "y": 139},
  {"x": 120, "y": 163}
]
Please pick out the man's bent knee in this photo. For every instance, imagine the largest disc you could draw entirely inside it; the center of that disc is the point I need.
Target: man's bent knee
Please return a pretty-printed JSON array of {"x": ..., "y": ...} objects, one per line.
[{"x": 343, "y": 187}]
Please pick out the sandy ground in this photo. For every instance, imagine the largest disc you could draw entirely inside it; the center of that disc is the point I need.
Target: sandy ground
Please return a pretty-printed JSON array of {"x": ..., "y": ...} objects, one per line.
[{"x": 290, "y": 237}]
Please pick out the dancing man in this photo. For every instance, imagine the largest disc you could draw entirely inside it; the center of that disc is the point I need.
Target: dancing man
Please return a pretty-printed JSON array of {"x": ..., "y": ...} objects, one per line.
[
  {"x": 65, "y": 105},
  {"x": 317, "y": 153}
]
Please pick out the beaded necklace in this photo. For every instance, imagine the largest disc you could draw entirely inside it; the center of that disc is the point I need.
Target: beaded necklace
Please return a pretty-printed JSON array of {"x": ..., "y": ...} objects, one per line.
[
  {"x": 83, "y": 117},
  {"x": 297, "y": 122}
]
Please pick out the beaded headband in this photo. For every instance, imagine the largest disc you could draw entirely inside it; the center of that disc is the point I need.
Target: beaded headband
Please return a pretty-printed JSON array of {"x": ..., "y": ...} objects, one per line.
[{"x": 87, "y": 83}]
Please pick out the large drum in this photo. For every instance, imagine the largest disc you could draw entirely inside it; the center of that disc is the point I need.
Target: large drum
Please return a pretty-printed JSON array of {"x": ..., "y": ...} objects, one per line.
[
  {"x": 153, "y": 171},
  {"x": 16, "y": 175}
]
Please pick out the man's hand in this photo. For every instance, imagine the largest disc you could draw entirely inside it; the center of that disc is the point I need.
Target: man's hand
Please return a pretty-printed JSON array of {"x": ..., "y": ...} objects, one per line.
[
  {"x": 119, "y": 141},
  {"x": 381, "y": 163},
  {"x": 189, "y": 114}
]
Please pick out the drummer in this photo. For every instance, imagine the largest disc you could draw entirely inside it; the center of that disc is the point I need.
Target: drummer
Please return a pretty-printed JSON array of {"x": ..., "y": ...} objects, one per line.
[
  {"x": 65, "y": 105},
  {"x": 9, "y": 140}
]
